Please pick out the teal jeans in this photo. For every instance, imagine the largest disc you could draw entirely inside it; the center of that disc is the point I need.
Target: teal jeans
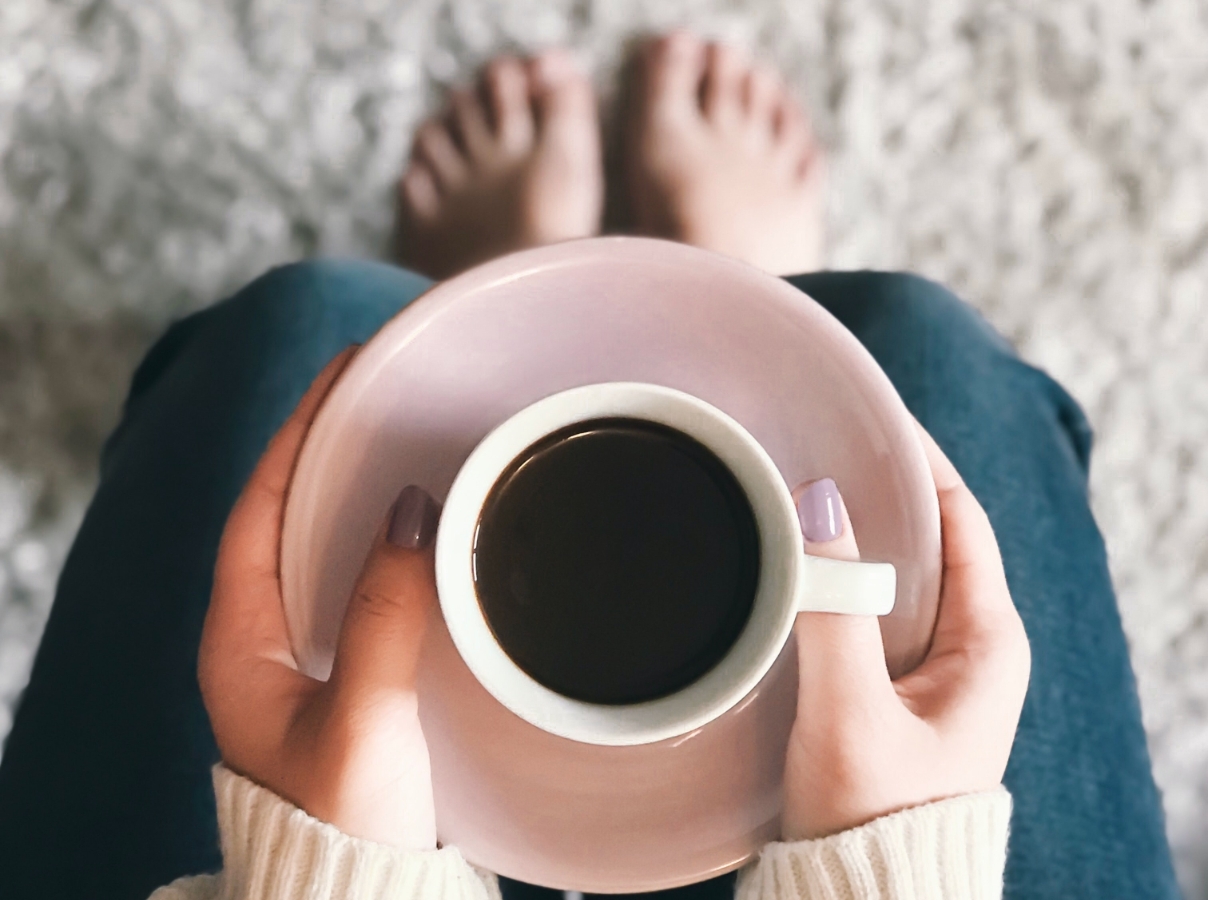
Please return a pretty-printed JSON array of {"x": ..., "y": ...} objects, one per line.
[{"x": 105, "y": 781}]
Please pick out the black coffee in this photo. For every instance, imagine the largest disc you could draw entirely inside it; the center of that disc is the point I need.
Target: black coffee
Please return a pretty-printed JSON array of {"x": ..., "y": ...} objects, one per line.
[{"x": 616, "y": 560}]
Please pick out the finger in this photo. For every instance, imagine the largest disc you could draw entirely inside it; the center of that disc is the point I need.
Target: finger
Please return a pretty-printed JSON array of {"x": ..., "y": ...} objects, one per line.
[
  {"x": 387, "y": 616},
  {"x": 245, "y": 606},
  {"x": 825, "y": 525},
  {"x": 972, "y": 565},
  {"x": 839, "y": 655},
  {"x": 979, "y": 649},
  {"x": 245, "y": 667}
]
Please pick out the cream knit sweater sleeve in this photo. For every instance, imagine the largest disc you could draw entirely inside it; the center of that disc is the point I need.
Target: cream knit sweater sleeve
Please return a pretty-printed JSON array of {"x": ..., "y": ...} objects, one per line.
[
  {"x": 272, "y": 850},
  {"x": 952, "y": 849}
]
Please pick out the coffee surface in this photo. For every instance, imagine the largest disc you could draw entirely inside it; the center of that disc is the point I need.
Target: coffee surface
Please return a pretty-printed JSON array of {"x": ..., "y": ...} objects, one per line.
[{"x": 616, "y": 560}]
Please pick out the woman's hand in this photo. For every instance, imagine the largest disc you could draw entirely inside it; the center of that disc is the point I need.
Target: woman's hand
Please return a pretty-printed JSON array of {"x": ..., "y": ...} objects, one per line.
[
  {"x": 349, "y": 751},
  {"x": 864, "y": 746}
]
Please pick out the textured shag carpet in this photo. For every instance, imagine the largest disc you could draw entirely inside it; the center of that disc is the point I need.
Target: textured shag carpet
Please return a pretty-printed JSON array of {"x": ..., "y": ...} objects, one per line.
[{"x": 1049, "y": 161}]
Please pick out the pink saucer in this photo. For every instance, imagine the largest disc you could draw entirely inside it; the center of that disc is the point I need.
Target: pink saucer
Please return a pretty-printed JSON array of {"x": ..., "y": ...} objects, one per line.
[{"x": 476, "y": 349}]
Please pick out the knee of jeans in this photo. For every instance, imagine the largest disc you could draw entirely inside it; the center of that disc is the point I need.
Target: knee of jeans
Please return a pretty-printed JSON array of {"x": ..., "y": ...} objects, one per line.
[
  {"x": 910, "y": 304},
  {"x": 923, "y": 336},
  {"x": 301, "y": 312},
  {"x": 321, "y": 289}
]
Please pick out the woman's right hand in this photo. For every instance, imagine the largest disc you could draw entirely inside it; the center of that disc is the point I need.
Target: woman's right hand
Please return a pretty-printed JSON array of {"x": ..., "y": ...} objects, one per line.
[
  {"x": 349, "y": 751},
  {"x": 864, "y": 746}
]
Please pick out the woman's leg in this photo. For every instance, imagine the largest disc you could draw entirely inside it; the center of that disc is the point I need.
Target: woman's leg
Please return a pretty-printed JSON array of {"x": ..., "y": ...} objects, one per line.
[
  {"x": 104, "y": 787},
  {"x": 1088, "y": 820},
  {"x": 720, "y": 156},
  {"x": 105, "y": 782}
]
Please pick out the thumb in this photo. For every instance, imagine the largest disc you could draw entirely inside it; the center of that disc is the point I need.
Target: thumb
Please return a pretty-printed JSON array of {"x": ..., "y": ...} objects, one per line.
[
  {"x": 388, "y": 614},
  {"x": 839, "y": 655}
]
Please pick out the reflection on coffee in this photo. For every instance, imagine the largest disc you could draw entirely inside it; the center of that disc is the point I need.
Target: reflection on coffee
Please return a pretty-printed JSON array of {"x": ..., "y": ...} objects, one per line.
[{"x": 616, "y": 560}]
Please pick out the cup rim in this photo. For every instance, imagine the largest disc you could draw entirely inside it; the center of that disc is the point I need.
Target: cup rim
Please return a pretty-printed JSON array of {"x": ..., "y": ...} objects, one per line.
[{"x": 720, "y": 688}]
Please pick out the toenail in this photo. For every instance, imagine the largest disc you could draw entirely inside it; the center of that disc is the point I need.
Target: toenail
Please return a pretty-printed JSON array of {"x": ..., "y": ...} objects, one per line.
[
  {"x": 506, "y": 70},
  {"x": 554, "y": 66},
  {"x": 679, "y": 42}
]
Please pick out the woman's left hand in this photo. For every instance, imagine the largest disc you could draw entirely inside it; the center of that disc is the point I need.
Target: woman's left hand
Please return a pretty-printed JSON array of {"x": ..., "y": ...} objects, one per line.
[
  {"x": 863, "y": 746},
  {"x": 348, "y": 751}
]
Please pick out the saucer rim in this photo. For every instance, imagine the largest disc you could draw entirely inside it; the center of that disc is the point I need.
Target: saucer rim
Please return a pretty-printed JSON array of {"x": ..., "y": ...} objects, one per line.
[{"x": 419, "y": 314}]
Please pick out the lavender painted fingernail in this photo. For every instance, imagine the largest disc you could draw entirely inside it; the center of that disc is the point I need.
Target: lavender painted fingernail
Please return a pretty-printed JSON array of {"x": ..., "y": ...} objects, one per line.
[
  {"x": 821, "y": 512},
  {"x": 413, "y": 519}
]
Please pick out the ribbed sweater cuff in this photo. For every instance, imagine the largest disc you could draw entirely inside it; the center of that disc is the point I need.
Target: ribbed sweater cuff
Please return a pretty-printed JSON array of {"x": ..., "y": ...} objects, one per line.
[
  {"x": 952, "y": 849},
  {"x": 274, "y": 851}
]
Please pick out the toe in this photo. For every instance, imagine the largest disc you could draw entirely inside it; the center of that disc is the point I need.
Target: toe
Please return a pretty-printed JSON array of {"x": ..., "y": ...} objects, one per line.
[
  {"x": 760, "y": 94},
  {"x": 553, "y": 67},
  {"x": 506, "y": 85},
  {"x": 811, "y": 168},
  {"x": 420, "y": 196},
  {"x": 724, "y": 75},
  {"x": 790, "y": 128},
  {"x": 434, "y": 147},
  {"x": 469, "y": 119},
  {"x": 671, "y": 72},
  {"x": 561, "y": 92}
]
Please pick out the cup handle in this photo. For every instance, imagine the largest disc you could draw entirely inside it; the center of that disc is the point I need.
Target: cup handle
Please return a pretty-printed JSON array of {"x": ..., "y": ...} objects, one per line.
[{"x": 846, "y": 586}]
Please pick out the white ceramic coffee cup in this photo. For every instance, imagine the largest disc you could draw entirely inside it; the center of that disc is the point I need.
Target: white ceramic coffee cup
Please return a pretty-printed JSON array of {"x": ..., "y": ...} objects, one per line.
[{"x": 789, "y": 580}]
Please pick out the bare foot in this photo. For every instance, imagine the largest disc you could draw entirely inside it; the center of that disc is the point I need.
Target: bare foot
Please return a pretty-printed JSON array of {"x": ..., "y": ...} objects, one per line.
[
  {"x": 513, "y": 164},
  {"x": 720, "y": 155}
]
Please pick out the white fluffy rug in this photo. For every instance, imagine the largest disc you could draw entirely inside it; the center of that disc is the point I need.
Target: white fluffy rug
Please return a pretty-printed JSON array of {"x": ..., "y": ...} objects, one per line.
[{"x": 1049, "y": 161}]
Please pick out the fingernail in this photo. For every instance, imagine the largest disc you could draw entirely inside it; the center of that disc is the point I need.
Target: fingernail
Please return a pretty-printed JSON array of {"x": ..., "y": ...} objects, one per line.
[
  {"x": 821, "y": 512},
  {"x": 413, "y": 520}
]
